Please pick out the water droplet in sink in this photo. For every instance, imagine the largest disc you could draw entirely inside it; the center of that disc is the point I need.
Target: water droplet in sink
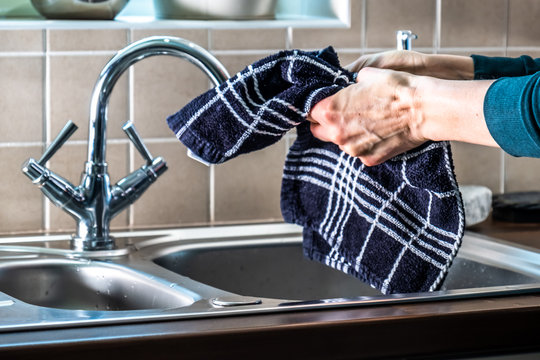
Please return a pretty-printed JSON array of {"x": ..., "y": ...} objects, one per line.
[
  {"x": 77, "y": 268},
  {"x": 172, "y": 285}
]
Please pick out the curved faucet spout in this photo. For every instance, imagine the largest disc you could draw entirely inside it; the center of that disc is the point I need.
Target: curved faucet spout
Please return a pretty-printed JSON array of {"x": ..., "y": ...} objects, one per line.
[{"x": 157, "y": 45}]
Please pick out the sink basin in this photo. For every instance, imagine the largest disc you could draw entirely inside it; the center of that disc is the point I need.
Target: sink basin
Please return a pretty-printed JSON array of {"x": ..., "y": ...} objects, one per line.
[
  {"x": 217, "y": 271},
  {"x": 267, "y": 269},
  {"x": 276, "y": 269},
  {"x": 87, "y": 285}
]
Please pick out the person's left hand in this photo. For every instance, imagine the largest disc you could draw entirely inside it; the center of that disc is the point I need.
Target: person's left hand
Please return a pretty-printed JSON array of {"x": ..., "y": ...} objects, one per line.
[{"x": 374, "y": 119}]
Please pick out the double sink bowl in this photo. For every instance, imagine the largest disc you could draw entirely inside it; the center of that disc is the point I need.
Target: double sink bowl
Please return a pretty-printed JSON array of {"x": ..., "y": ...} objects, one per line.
[{"x": 217, "y": 271}]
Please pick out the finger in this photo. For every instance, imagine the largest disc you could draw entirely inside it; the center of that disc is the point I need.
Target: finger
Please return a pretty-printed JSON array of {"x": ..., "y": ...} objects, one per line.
[
  {"x": 319, "y": 112},
  {"x": 388, "y": 149},
  {"x": 319, "y": 132},
  {"x": 361, "y": 144}
]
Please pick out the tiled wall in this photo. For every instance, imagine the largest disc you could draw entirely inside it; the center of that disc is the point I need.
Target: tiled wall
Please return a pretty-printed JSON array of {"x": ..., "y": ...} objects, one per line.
[{"x": 47, "y": 77}]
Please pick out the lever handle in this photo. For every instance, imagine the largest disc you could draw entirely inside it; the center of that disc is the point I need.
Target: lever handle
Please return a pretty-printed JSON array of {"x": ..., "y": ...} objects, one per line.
[
  {"x": 133, "y": 135},
  {"x": 57, "y": 143}
]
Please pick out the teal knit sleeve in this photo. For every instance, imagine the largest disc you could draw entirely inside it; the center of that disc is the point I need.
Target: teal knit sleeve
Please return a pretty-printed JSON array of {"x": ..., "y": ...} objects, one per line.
[
  {"x": 486, "y": 67},
  {"x": 512, "y": 113},
  {"x": 512, "y": 103}
]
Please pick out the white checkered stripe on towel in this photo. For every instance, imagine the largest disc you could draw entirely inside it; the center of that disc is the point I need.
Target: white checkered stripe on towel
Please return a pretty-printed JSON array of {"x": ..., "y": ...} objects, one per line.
[
  {"x": 259, "y": 105},
  {"x": 386, "y": 225}
]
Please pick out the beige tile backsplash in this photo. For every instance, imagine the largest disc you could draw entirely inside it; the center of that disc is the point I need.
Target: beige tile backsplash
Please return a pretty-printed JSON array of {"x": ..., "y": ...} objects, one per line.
[
  {"x": 21, "y": 99},
  {"x": 474, "y": 23},
  {"x": 181, "y": 194},
  {"x": 522, "y": 174},
  {"x": 72, "y": 78},
  {"x": 338, "y": 38},
  {"x": 248, "y": 39},
  {"x": 523, "y": 29},
  {"x": 384, "y": 17},
  {"x": 21, "y": 41},
  {"x": 248, "y": 187},
  {"x": 84, "y": 40},
  {"x": 48, "y": 77},
  {"x": 22, "y": 208},
  {"x": 154, "y": 79}
]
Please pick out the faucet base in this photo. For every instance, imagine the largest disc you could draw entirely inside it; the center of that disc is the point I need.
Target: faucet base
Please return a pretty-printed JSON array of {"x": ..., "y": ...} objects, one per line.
[{"x": 89, "y": 244}]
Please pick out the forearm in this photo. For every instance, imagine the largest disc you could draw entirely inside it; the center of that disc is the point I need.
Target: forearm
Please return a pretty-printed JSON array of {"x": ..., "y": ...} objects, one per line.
[
  {"x": 451, "y": 110},
  {"x": 451, "y": 67},
  {"x": 436, "y": 65}
]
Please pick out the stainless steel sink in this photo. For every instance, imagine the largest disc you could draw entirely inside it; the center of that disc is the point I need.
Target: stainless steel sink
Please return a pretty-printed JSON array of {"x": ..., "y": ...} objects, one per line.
[
  {"x": 264, "y": 268},
  {"x": 277, "y": 269},
  {"x": 217, "y": 271},
  {"x": 87, "y": 285}
]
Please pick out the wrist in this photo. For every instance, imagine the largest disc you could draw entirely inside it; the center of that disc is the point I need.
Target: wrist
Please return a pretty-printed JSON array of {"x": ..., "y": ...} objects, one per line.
[
  {"x": 413, "y": 97},
  {"x": 423, "y": 122},
  {"x": 451, "y": 110}
]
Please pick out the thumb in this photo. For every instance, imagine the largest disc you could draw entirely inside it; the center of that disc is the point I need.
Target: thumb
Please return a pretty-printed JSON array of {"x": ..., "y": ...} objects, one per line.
[{"x": 320, "y": 112}]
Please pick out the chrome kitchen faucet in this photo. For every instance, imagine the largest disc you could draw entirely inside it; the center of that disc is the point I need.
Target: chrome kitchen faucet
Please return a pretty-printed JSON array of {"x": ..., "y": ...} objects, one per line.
[
  {"x": 404, "y": 39},
  {"x": 95, "y": 202}
]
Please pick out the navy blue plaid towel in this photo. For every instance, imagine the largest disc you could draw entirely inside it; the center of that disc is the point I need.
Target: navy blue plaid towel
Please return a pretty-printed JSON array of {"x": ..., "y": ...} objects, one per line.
[{"x": 396, "y": 226}]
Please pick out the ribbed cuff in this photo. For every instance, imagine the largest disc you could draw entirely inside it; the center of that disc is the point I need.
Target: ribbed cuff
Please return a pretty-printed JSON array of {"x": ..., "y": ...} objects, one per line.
[
  {"x": 487, "y": 67},
  {"x": 509, "y": 112}
]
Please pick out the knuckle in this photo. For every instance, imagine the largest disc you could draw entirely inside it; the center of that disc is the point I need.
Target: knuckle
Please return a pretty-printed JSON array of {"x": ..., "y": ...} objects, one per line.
[
  {"x": 339, "y": 139},
  {"x": 368, "y": 160}
]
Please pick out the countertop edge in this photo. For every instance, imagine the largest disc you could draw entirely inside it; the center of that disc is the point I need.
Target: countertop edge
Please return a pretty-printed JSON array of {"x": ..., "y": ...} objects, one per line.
[{"x": 449, "y": 328}]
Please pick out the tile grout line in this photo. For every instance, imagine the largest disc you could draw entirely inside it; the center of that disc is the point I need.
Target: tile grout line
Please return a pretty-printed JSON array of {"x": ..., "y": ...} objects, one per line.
[
  {"x": 265, "y": 52},
  {"x": 131, "y": 116},
  {"x": 289, "y": 38},
  {"x": 363, "y": 36},
  {"x": 85, "y": 142},
  {"x": 211, "y": 168},
  {"x": 56, "y": 53},
  {"x": 46, "y": 119},
  {"x": 438, "y": 27},
  {"x": 502, "y": 157}
]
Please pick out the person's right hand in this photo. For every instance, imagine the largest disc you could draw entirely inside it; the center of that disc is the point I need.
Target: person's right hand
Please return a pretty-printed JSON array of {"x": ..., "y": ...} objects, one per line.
[
  {"x": 374, "y": 119},
  {"x": 450, "y": 67}
]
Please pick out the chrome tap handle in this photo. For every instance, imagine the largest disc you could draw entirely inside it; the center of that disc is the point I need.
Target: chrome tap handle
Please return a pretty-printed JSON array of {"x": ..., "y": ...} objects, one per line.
[
  {"x": 57, "y": 143},
  {"x": 133, "y": 135}
]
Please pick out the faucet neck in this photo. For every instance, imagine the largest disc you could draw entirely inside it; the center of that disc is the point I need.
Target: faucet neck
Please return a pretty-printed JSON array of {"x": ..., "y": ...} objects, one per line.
[{"x": 158, "y": 45}]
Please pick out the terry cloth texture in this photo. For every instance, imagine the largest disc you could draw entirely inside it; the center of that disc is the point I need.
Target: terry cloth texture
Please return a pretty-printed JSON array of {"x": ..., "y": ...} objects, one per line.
[{"x": 396, "y": 226}]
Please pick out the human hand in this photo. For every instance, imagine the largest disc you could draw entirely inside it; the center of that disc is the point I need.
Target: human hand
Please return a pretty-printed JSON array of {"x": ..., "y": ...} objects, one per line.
[
  {"x": 450, "y": 67},
  {"x": 374, "y": 119}
]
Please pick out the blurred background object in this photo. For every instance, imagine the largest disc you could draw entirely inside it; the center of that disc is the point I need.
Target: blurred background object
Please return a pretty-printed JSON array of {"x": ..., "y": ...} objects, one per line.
[
  {"x": 215, "y": 9},
  {"x": 79, "y": 9},
  {"x": 17, "y": 8}
]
